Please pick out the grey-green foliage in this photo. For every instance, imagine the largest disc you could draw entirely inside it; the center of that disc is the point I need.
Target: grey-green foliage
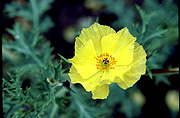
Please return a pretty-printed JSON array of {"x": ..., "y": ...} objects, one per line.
[
  {"x": 33, "y": 12},
  {"x": 159, "y": 33},
  {"x": 165, "y": 24},
  {"x": 29, "y": 57},
  {"x": 28, "y": 60}
]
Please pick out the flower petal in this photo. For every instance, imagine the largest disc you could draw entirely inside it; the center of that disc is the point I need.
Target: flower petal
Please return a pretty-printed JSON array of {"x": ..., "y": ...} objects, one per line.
[
  {"x": 120, "y": 45},
  {"x": 139, "y": 59},
  {"x": 101, "y": 92},
  {"x": 84, "y": 60},
  {"x": 108, "y": 43},
  {"x": 88, "y": 84},
  {"x": 128, "y": 83},
  {"x": 108, "y": 77},
  {"x": 95, "y": 33},
  {"x": 137, "y": 68}
]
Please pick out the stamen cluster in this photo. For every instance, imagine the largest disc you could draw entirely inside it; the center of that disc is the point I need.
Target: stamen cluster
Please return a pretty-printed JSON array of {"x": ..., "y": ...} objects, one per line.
[{"x": 105, "y": 62}]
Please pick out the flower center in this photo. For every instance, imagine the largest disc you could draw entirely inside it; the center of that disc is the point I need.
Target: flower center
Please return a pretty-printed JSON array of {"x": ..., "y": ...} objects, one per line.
[{"x": 105, "y": 62}]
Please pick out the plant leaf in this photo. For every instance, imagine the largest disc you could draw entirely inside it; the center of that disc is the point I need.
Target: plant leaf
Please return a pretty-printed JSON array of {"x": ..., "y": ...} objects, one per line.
[{"x": 65, "y": 60}]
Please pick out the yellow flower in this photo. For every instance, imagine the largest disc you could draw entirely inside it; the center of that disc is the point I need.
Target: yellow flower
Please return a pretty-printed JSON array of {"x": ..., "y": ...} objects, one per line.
[{"x": 103, "y": 56}]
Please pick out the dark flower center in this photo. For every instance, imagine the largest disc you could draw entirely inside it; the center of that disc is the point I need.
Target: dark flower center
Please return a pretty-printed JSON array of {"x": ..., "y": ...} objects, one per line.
[{"x": 105, "y": 61}]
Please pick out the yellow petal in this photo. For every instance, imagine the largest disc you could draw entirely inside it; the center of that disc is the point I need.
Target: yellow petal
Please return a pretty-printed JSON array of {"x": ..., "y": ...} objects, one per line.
[
  {"x": 138, "y": 68},
  {"x": 95, "y": 33},
  {"x": 78, "y": 43},
  {"x": 108, "y": 43},
  {"x": 101, "y": 92},
  {"x": 125, "y": 47},
  {"x": 88, "y": 84},
  {"x": 120, "y": 45},
  {"x": 75, "y": 76},
  {"x": 125, "y": 36},
  {"x": 84, "y": 60},
  {"x": 108, "y": 77},
  {"x": 122, "y": 84},
  {"x": 128, "y": 82},
  {"x": 139, "y": 59}
]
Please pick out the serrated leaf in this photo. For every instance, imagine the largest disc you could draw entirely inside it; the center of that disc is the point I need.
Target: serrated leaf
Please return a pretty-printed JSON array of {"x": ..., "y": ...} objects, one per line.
[
  {"x": 12, "y": 32},
  {"x": 149, "y": 72},
  {"x": 12, "y": 110},
  {"x": 57, "y": 70},
  {"x": 65, "y": 60},
  {"x": 41, "y": 111},
  {"x": 162, "y": 78},
  {"x": 14, "y": 10},
  {"x": 46, "y": 24},
  {"x": 155, "y": 33},
  {"x": 66, "y": 70},
  {"x": 10, "y": 92},
  {"x": 145, "y": 18},
  {"x": 51, "y": 95},
  {"x": 11, "y": 76},
  {"x": 5, "y": 82},
  {"x": 44, "y": 5}
]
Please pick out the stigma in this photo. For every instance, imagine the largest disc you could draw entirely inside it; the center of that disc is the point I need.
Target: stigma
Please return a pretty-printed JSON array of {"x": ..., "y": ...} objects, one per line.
[{"x": 105, "y": 61}]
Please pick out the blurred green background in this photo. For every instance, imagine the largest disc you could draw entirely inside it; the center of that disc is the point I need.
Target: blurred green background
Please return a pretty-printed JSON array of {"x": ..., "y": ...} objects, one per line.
[{"x": 34, "y": 32}]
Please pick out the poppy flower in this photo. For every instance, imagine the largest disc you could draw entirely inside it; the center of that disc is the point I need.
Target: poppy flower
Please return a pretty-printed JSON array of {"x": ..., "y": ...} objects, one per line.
[{"x": 104, "y": 56}]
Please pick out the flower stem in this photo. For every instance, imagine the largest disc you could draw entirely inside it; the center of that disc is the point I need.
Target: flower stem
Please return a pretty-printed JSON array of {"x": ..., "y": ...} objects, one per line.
[{"x": 165, "y": 71}]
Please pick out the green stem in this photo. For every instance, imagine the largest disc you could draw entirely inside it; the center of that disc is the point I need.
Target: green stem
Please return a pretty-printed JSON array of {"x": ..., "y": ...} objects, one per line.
[
  {"x": 80, "y": 105},
  {"x": 82, "y": 109},
  {"x": 25, "y": 46},
  {"x": 36, "y": 16},
  {"x": 37, "y": 59},
  {"x": 35, "y": 13},
  {"x": 53, "y": 111}
]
